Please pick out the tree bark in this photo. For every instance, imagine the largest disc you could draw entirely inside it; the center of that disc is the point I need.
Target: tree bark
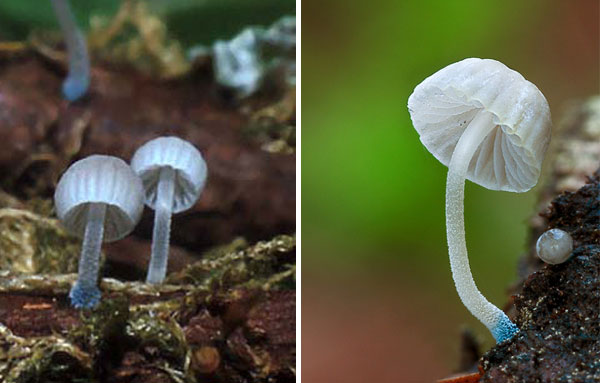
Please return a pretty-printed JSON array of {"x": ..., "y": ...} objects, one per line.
[{"x": 557, "y": 307}]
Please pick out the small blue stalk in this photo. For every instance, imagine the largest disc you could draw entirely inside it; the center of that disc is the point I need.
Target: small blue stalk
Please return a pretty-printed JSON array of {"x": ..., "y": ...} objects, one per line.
[
  {"x": 85, "y": 292},
  {"x": 157, "y": 270},
  {"x": 78, "y": 80}
]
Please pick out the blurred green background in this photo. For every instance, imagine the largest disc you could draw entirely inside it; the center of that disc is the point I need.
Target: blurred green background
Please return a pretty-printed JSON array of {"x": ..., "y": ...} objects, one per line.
[
  {"x": 190, "y": 21},
  {"x": 373, "y": 229}
]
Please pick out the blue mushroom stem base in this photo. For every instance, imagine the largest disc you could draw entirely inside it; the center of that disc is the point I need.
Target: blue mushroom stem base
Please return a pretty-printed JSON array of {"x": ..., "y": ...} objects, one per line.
[
  {"x": 75, "y": 87},
  {"x": 84, "y": 297},
  {"x": 504, "y": 330}
]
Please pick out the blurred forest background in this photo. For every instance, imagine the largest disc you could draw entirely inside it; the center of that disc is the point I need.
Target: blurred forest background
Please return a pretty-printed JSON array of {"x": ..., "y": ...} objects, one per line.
[
  {"x": 191, "y": 22},
  {"x": 379, "y": 304}
]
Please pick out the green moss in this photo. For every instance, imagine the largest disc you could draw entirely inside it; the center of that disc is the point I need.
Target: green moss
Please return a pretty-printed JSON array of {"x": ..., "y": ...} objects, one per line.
[
  {"x": 30, "y": 243},
  {"x": 103, "y": 328},
  {"x": 139, "y": 318},
  {"x": 262, "y": 264},
  {"x": 25, "y": 360},
  {"x": 150, "y": 331}
]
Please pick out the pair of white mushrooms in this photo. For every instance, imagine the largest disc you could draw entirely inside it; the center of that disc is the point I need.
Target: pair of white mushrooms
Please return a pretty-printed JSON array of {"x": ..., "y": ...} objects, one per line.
[
  {"x": 100, "y": 199},
  {"x": 491, "y": 126}
]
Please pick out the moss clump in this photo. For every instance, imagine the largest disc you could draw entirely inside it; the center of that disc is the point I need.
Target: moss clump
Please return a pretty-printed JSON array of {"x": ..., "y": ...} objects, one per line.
[
  {"x": 27, "y": 360},
  {"x": 101, "y": 331},
  {"x": 153, "y": 335},
  {"x": 264, "y": 265},
  {"x": 32, "y": 244},
  {"x": 235, "y": 324}
]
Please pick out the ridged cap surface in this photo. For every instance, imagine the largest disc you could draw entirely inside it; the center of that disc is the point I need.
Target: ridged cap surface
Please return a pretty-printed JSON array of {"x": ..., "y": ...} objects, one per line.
[
  {"x": 510, "y": 157},
  {"x": 183, "y": 157},
  {"x": 103, "y": 179}
]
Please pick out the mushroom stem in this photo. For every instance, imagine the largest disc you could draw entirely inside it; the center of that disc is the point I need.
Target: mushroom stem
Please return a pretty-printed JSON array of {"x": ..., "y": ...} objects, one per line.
[
  {"x": 491, "y": 316},
  {"x": 85, "y": 292},
  {"x": 162, "y": 226},
  {"x": 78, "y": 79}
]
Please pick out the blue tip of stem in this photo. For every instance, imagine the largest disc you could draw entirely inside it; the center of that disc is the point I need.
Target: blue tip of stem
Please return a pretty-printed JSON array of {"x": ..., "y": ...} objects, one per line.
[
  {"x": 74, "y": 88},
  {"x": 505, "y": 329},
  {"x": 84, "y": 297}
]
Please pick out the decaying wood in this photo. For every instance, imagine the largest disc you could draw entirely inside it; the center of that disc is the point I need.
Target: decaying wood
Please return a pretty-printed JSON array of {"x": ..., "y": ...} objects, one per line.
[
  {"x": 227, "y": 318},
  {"x": 557, "y": 307},
  {"x": 574, "y": 156}
]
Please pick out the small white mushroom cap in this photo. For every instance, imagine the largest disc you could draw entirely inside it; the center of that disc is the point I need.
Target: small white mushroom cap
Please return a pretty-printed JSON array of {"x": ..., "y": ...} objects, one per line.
[
  {"x": 554, "y": 246},
  {"x": 103, "y": 179},
  {"x": 510, "y": 157},
  {"x": 183, "y": 157}
]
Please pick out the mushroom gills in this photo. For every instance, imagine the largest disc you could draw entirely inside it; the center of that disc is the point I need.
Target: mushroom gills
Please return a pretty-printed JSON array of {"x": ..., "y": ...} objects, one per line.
[{"x": 491, "y": 316}]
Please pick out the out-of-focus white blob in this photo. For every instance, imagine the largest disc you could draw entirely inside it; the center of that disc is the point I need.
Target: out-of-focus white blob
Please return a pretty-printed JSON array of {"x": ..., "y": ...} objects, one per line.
[
  {"x": 237, "y": 63},
  {"x": 255, "y": 57},
  {"x": 282, "y": 33},
  {"x": 282, "y": 37}
]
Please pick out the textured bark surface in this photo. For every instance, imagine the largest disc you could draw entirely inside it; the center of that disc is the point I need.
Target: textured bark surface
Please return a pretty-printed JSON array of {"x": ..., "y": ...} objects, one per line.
[
  {"x": 557, "y": 307},
  {"x": 574, "y": 156},
  {"x": 227, "y": 318}
]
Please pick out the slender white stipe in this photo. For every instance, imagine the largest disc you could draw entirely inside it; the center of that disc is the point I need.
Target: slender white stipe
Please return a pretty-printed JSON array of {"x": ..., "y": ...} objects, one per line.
[
  {"x": 92, "y": 243},
  {"x": 477, "y": 130},
  {"x": 162, "y": 226},
  {"x": 85, "y": 293}
]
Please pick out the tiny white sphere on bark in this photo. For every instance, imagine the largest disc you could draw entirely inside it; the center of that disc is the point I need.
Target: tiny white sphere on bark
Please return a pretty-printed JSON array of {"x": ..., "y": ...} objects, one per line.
[{"x": 554, "y": 246}]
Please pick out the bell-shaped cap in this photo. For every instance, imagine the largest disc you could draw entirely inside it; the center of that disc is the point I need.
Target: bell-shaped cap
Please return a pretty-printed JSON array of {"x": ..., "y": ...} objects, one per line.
[
  {"x": 183, "y": 157},
  {"x": 100, "y": 179},
  {"x": 510, "y": 157}
]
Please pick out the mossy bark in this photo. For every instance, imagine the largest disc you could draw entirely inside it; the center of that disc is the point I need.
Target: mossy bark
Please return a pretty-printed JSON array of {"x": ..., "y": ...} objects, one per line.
[{"x": 227, "y": 318}]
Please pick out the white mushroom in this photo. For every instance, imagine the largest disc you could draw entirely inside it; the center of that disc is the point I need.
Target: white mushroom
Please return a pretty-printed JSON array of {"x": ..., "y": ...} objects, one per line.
[
  {"x": 491, "y": 126},
  {"x": 98, "y": 198},
  {"x": 173, "y": 173},
  {"x": 554, "y": 246}
]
